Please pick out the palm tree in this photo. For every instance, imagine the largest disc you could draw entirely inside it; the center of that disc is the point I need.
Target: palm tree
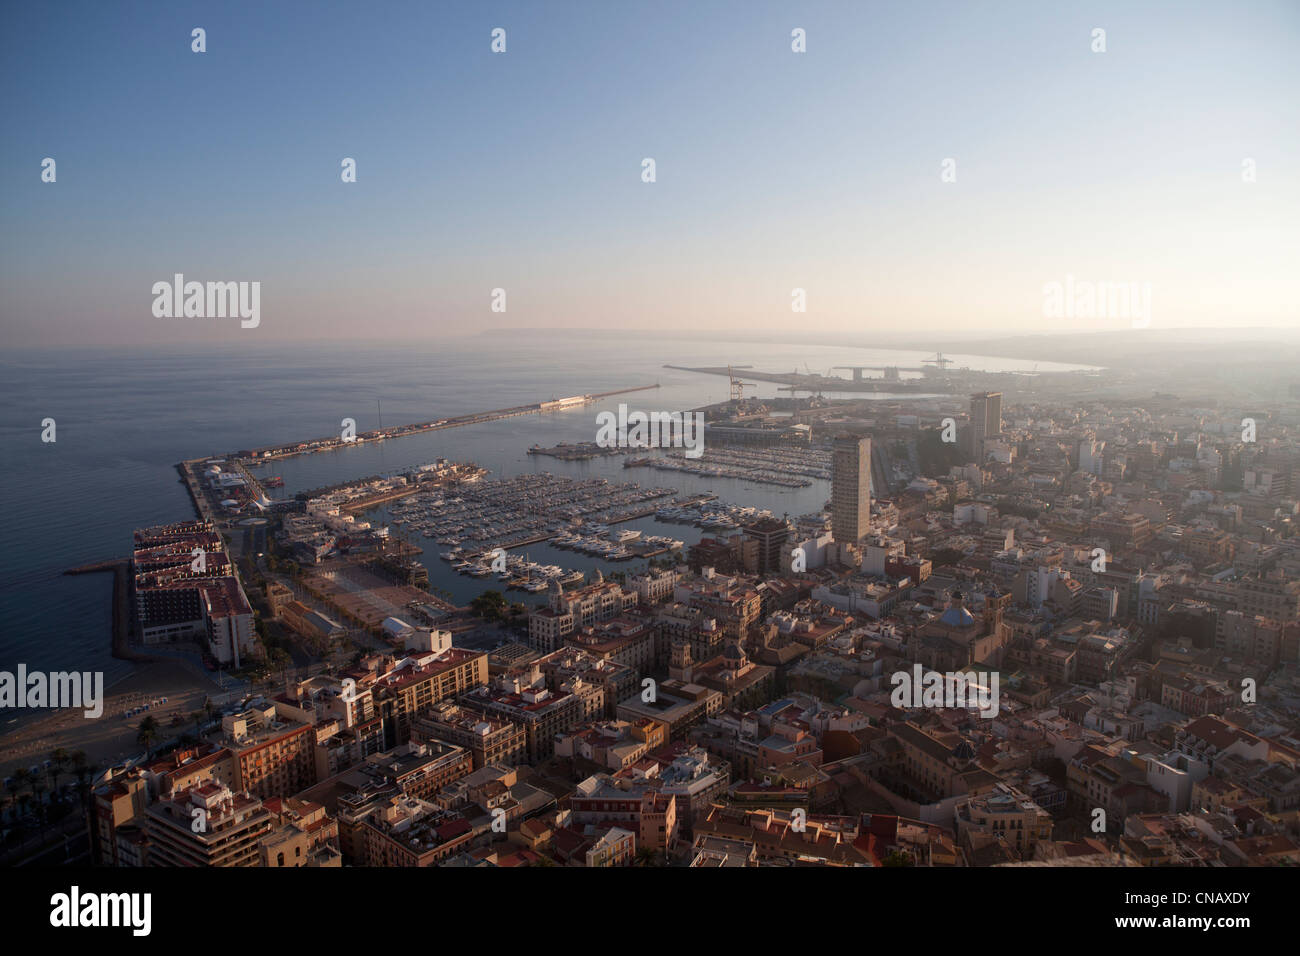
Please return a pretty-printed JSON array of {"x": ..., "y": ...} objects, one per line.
[
  {"x": 147, "y": 734},
  {"x": 22, "y": 777},
  {"x": 58, "y": 760},
  {"x": 6, "y": 804},
  {"x": 85, "y": 772},
  {"x": 645, "y": 856},
  {"x": 197, "y": 717},
  {"x": 38, "y": 788}
]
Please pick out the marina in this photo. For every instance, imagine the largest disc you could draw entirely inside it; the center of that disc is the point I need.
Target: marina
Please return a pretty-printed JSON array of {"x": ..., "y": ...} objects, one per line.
[
  {"x": 476, "y": 525},
  {"x": 713, "y": 516},
  {"x": 787, "y": 467},
  {"x": 679, "y": 462},
  {"x": 512, "y": 512}
]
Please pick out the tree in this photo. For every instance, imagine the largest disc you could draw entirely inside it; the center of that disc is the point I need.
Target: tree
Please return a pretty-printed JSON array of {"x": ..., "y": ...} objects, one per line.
[
  {"x": 38, "y": 788},
  {"x": 58, "y": 761},
  {"x": 945, "y": 556},
  {"x": 85, "y": 772},
  {"x": 22, "y": 779},
  {"x": 645, "y": 856},
  {"x": 147, "y": 734},
  {"x": 490, "y": 605}
]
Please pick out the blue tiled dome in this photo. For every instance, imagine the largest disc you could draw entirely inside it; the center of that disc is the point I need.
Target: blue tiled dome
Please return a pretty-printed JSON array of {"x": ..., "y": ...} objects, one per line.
[{"x": 957, "y": 617}]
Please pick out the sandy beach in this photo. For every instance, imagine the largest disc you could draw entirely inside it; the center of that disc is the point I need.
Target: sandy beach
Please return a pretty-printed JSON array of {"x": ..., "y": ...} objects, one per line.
[{"x": 110, "y": 737}]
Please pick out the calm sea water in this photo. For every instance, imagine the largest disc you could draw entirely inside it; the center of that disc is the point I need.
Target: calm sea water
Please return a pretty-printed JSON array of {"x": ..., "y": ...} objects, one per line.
[{"x": 126, "y": 416}]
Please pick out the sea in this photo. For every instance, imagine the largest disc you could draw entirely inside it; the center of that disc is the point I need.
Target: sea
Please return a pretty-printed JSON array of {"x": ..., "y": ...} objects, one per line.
[{"x": 125, "y": 416}]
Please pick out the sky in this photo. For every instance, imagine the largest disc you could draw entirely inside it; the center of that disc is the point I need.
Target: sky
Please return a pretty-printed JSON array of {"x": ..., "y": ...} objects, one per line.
[{"x": 522, "y": 170}]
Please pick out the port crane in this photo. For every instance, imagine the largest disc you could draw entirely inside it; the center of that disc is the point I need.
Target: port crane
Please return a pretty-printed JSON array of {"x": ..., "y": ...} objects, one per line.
[
  {"x": 737, "y": 386},
  {"x": 939, "y": 361}
]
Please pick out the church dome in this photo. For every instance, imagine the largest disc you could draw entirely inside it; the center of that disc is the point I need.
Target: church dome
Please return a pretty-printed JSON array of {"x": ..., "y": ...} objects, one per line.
[{"x": 957, "y": 617}]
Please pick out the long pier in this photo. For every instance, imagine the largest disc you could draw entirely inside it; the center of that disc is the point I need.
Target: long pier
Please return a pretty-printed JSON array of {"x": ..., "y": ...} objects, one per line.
[{"x": 332, "y": 443}]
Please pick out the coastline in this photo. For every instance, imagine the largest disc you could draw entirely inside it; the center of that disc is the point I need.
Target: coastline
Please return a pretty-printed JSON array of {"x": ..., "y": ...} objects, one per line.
[{"x": 111, "y": 737}]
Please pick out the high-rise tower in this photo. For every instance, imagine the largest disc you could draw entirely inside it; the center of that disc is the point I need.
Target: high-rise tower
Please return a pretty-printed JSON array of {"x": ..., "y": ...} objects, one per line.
[
  {"x": 985, "y": 421},
  {"x": 850, "y": 489}
]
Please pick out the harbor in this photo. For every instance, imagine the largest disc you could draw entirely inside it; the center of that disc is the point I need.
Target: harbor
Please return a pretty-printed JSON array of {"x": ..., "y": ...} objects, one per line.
[
  {"x": 782, "y": 467},
  {"x": 475, "y": 525}
]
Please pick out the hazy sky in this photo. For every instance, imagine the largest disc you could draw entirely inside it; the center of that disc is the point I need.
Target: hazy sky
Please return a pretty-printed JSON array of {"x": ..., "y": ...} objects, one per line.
[{"x": 522, "y": 170}]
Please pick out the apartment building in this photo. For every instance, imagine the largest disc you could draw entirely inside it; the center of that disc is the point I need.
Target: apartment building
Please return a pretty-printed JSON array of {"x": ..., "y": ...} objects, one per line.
[
  {"x": 207, "y": 825},
  {"x": 1002, "y": 815},
  {"x": 573, "y": 665},
  {"x": 614, "y": 744},
  {"x": 626, "y": 641},
  {"x": 1124, "y": 532},
  {"x": 635, "y": 806},
  {"x": 489, "y": 739},
  {"x": 409, "y": 832},
  {"x": 1270, "y": 595},
  {"x": 274, "y": 754},
  {"x": 412, "y": 685},
  {"x": 541, "y": 712},
  {"x": 305, "y": 836},
  {"x": 422, "y": 769}
]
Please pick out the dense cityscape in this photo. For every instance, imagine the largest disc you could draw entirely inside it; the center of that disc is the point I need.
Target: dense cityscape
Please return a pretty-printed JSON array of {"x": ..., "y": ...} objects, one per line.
[
  {"x": 622, "y": 439},
  {"x": 1037, "y": 631}
]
